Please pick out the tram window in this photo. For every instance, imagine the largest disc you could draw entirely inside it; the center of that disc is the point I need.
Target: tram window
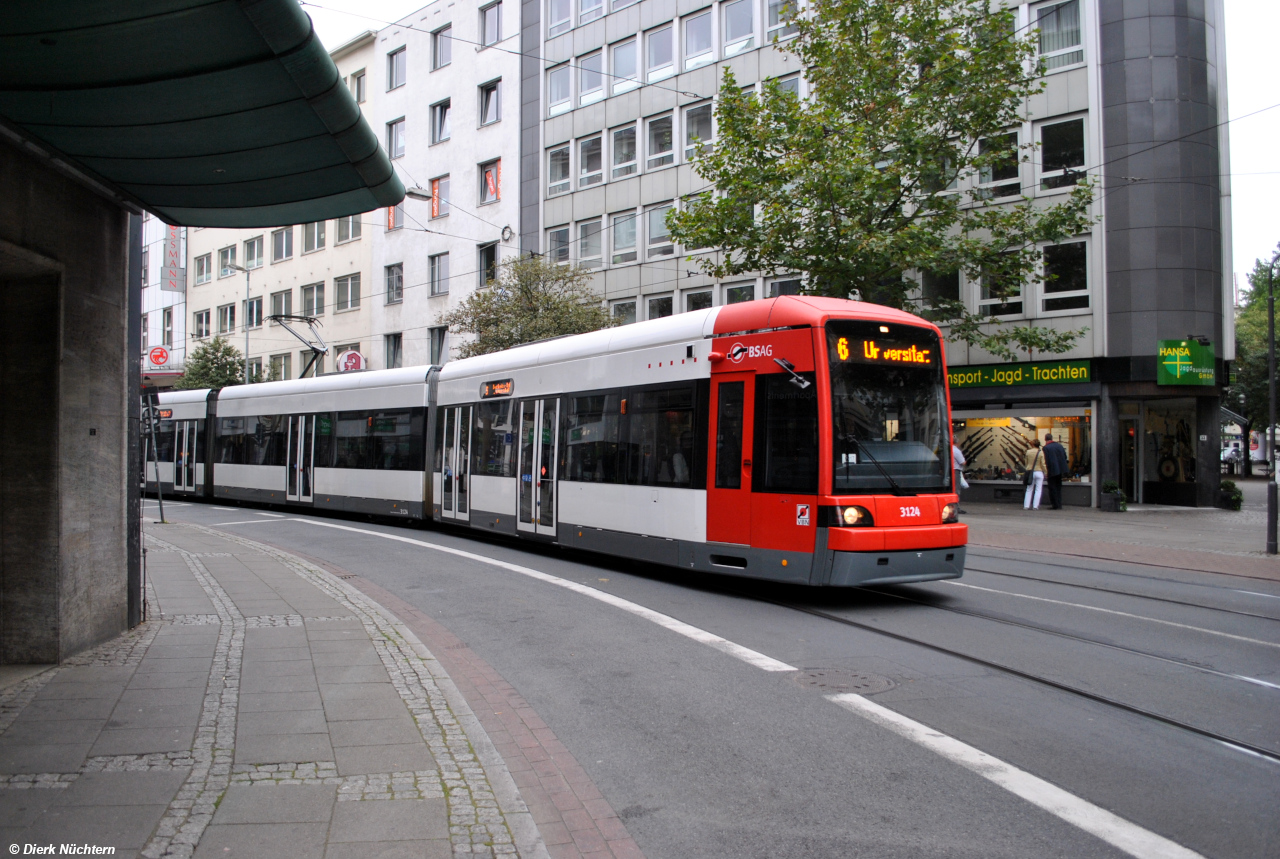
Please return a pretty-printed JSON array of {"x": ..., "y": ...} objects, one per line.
[
  {"x": 786, "y": 444},
  {"x": 437, "y": 460},
  {"x": 589, "y": 438},
  {"x": 351, "y": 441},
  {"x": 164, "y": 441},
  {"x": 493, "y": 451},
  {"x": 200, "y": 441},
  {"x": 389, "y": 440},
  {"x": 264, "y": 440},
  {"x": 659, "y": 449},
  {"x": 729, "y": 436},
  {"x": 231, "y": 441},
  {"x": 324, "y": 441}
]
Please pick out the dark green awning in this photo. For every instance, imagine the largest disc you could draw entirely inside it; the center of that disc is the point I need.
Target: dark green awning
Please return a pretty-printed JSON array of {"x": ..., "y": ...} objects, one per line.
[{"x": 210, "y": 113}]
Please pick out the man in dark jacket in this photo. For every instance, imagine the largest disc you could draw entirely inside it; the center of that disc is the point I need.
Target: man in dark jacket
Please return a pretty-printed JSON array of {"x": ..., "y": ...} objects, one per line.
[{"x": 1055, "y": 460}]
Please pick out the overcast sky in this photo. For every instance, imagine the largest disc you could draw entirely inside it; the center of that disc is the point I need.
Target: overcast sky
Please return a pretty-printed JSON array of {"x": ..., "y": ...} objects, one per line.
[{"x": 1252, "y": 72}]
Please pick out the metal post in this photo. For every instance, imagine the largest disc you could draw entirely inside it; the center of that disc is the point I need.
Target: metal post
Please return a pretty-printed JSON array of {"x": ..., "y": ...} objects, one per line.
[
  {"x": 246, "y": 325},
  {"x": 1271, "y": 390},
  {"x": 155, "y": 453}
]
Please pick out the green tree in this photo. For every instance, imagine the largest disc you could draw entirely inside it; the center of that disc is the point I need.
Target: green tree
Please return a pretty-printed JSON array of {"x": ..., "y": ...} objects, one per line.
[
  {"x": 864, "y": 180},
  {"x": 1248, "y": 393},
  {"x": 533, "y": 299},
  {"x": 213, "y": 364}
]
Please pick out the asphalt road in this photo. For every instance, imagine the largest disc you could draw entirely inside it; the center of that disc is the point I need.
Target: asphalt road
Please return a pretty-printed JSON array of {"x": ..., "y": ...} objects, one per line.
[{"x": 705, "y": 755}]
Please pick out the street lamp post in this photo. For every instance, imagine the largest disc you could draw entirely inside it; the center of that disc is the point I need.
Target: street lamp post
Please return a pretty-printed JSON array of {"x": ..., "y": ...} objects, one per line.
[
  {"x": 246, "y": 318},
  {"x": 1271, "y": 391}
]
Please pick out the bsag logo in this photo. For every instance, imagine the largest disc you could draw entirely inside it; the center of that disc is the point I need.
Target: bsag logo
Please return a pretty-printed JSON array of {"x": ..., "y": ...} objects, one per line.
[{"x": 737, "y": 352}]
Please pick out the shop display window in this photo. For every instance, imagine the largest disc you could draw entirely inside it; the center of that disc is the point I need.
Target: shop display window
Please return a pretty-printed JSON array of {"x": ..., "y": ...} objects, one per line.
[{"x": 994, "y": 443}]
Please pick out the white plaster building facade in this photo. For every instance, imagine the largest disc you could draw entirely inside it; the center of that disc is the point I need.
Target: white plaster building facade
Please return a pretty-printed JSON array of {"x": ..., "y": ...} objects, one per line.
[{"x": 163, "y": 301}]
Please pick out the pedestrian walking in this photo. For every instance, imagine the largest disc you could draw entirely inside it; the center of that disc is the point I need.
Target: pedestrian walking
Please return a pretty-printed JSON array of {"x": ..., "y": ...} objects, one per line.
[
  {"x": 1055, "y": 458},
  {"x": 957, "y": 471},
  {"x": 1034, "y": 476}
]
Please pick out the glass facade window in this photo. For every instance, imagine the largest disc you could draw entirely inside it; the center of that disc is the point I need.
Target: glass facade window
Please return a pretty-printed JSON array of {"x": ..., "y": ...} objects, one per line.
[
  {"x": 590, "y": 248},
  {"x": 624, "y": 151},
  {"x": 491, "y": 181},
  {"x": 395, "y": 139},
  {"x": 660, "y": 54},
  {"x": 660, "y": 307},
  {"x": 697, "y": 128},
  {"x": 661, "y": 151},
  {"x": 559, "y": 17},
  {"x": 1000, "y": 177},
  {"x": 659, "y": 239},
  {"x": 491, "y": 24},
  {"x": 488, "y": 264},
  {"x": 626, "y": 66},
  {"x": 440, "y": 121},
  {"x": 204, "y": 268},
  {"x": 739, "y": 293},
  {"x": 395, "y": 283},
  {"x": 282, "y": 244},
  {"x": 438, "y": 273},
  {"x": 442, "y": 47},
  {"x": 698, "y": 47},
  {"x": 1059, "y": 26},
  {"x": 624, "y": 238},
  {"x": 313, "y": 299},
  {"x": 994, "y": 447},
  {"x": 440, "y": 197},
  {"x": 624, "y": 311},
  {"x": 491, "y": 103},
  {"x": 252, "y": 253},
  {"x": 397, "y": 68},
  {"x": 1061, "y": 154},
  {"x": 590, "y": 162},
  {"x": 778, "y": 15},
  {"x": 1066, "y": 277},
  {"x": 253, "y": 313},
  {"x": 697, "y": 300},
  {"x": 559, "y": 90},
  {"x": 591, "y": 78},
  {"x": 348, "y": 228},
  {"x": 589, "y": 10},
  {"x": 558, "y": 244},
  {"x": 558, "y": 181},
  {"x": 312, "y": 237},
  {"x": 739, "y": 26},
  {"x": 226, "y": 259}
]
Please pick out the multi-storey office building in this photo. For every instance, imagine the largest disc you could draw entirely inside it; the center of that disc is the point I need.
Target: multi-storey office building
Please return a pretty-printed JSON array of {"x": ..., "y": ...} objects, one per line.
[
  {"x": 164, "y": 262},
  {"x": 444, "y": 86},
  {"x": 1134, "y": 98}
]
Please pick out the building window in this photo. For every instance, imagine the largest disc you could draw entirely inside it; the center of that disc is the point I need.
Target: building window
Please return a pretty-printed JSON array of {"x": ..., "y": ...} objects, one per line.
[
  {"x": 441, "y": 47},
  {"x": 659, "y": 239},
  {"x": 936, "y": 287},
  {"x": 281, "y": 367},
  {"x": 591, "y": 78},
  {"x": 201, "y": 324},
  {"x": 1061, "y": 154},
  {"x": 310, "y": 368},
  {"x": 490, "y": 103},
  {"x": 313, "y": 299},
  {"x": 624, "y": 151},
  {"x": 558, "y": 245},
  {"x": 559, "y": 84},
  {"x": 791, "y": 84},
  {"x": 146, "y": 332},
  {"x": 659, "y": 307},
  {"x": 697, "y": 128},
  {"x": 146, "y": 266},
  {"x": 557, "y": 170},
  {"x": 438, "y": 273},
  {"x": 439, "y": 353},
  {"x": 440, "y": 121},
  {"x": 999, "y": 295},
  {"x": 348, "y": 228},
  {"x": 282, "y": 303},
  {"x": 253, "y": 313},
  {"x": 626, "y": 66},
  {"x": 395, "y": 283},
  {"x": 739, "y": 293},
  {"x": 1066, "y": 277},
  {"x": 282, "y": 244},
  {"x": 226, "y": 259},
  {"x": 488, "y": 267},
  {"x": 491, "y": 181},
  {"x": 697, "y": 300},
  {"x": 396, "y": 69},
  {"x": 589, "y": 10},
  {"x": 624, "y": 238},
  {"x": 1000, "y": 177},
  {"x": 255, "y": 370},
  {"x": 204, "y": 268},
  {"x": 166, "y": 327},
  {"x": 1059, "y": 26},
  {"x": 357, "y": 86},
  {"x": 661, "y": 151},
  {"x": 348, "y": 292},
  {"x": 622, "y": 4},
  {"x": 395, "y": 139},
  {"x": 624, "y": 311},
  {"x": 395, "y": 350},
  {"x": 789, "y": 286},
  {"x": 227, "y": 319},
  {"x": 559, "y": 17},
  {"x": 590, "y": 162},
  {"x": 491, "y": 25},
  {"x": 440, "y": 197},
  {"x": 697, "y": 41},
  {"x": 660, "y": 49},
  {"x": 395, "y": 216},
  {"x": 739, "y": 27},
  {"x": 590, "y": 248},
  {"x": 312, "y": 236},
  {"x": 778, "y": 16},
  {"x": 347, "y": 347}
]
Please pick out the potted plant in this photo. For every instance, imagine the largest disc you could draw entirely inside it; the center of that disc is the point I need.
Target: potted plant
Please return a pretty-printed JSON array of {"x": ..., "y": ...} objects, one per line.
[
  {"x": 1229, "y": 495},
  {"x": 1113, "y": 498}
]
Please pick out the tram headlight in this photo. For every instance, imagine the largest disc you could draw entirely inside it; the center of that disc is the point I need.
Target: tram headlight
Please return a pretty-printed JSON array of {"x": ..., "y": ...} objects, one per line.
[
  {"x": 854, "y": 516},
  {"x": 951, "y": 512}
]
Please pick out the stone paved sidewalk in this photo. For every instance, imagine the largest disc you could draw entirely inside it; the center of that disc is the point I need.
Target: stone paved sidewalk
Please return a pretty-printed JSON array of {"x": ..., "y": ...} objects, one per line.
[{"x": 265, "y": 709}]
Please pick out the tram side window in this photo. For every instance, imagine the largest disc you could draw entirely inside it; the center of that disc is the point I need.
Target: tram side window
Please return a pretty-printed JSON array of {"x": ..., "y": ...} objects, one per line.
[
  {"x": 493, "y": 440},
  {"x": 266, "y": 439},
  {"x": 786, "y": 451},
  {"x": 659, "y": 448},
  {"x": 589, "y": 438},
  {"x": 164, "y": 441},
  {"x": 231, "y": 441},
  {"x": 324, "y": 441},
  {"x": 351, "y": 440},
  {"x": 387, "y": 440},
  {"x": 200, "y": 441}
]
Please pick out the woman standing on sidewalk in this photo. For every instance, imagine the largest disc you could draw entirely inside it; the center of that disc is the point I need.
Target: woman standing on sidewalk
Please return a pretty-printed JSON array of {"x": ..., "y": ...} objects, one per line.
[{"x": 1034, "y": 462}]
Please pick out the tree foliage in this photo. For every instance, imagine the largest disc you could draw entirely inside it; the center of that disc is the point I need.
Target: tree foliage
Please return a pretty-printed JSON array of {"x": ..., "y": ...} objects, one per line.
[
  {"x": 864, "y": 180},
  {"x": 1248, "y": 394},
  {"x": 212, "y": 364},
  {"x": 533, "y": 299}
]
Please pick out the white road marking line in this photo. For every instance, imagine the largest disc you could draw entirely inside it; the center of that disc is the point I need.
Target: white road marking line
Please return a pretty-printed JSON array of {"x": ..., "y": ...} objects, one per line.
[
  {"x": 1119, "y": 613},
  {"x": 275, "y": 515},
  {"x": 1111, "y": 828},
  {"x": 224, "y": 508},
  {"x": 751, "y": 657},
  {"x": 245, "y": 522},
  {"x": 1256, "y": 594},
  {"x": 169, "y": 503}
]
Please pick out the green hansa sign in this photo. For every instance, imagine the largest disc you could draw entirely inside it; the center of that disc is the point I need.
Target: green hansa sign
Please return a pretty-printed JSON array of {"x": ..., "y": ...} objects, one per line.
[{"x": 1185, "y": 362}]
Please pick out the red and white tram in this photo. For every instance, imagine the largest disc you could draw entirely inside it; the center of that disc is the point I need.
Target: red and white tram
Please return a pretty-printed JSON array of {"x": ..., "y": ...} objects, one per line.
[{"x": 797, "y": 439}]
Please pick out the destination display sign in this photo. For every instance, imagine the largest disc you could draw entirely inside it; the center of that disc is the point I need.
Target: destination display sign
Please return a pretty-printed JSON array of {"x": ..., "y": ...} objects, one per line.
[
  {"x": 1008, "y": 375},
  {"x": 886, "y": 351},
  {"x": 497, "y": 388}
]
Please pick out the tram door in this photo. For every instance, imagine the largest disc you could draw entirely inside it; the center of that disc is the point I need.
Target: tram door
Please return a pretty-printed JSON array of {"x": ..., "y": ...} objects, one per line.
[
  {"x": 729, "y": 483},
  {"x": 538, "y": 437},
  {"x": 302, "y": 446},
  {"x": 184, "y": 456},
  {"x": 456, "y": 479}
]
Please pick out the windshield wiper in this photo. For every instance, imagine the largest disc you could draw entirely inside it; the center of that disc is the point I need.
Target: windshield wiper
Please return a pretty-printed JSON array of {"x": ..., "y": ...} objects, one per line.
[{"x": 897, "y": 490}]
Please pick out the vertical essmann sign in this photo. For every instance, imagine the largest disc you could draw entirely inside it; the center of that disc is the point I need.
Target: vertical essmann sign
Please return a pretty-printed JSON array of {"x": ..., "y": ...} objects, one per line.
[{"x": 173, "y": 276}]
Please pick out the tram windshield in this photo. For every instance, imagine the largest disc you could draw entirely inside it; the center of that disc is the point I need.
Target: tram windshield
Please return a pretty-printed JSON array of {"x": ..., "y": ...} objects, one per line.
[{"x": 888, "y": 407}]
